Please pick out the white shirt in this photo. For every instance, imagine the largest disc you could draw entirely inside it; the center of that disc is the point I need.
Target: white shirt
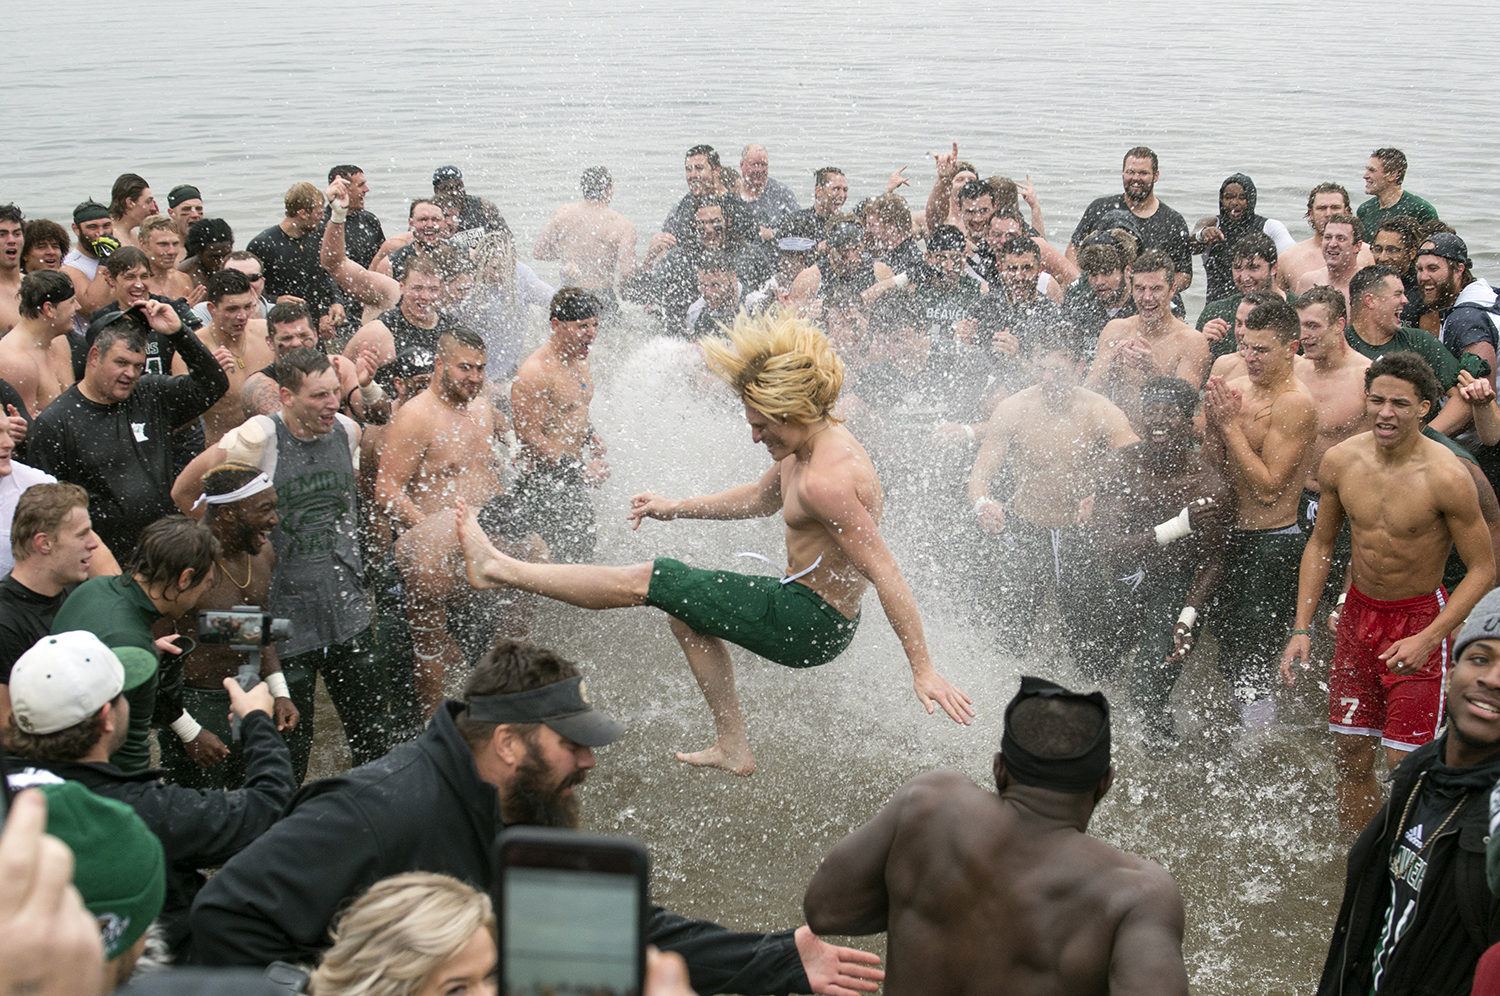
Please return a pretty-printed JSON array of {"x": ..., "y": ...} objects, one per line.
[{"x": 19, "y": 479}]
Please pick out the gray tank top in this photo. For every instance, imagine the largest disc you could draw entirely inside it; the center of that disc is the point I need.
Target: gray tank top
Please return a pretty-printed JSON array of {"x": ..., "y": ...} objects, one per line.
[{"x": 318, "y": 582}]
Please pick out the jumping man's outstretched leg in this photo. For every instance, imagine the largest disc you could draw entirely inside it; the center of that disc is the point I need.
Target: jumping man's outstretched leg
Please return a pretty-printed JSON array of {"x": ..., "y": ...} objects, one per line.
[
  {"x": 588, "y": 586},
  {"x": 709, "y": 658}
]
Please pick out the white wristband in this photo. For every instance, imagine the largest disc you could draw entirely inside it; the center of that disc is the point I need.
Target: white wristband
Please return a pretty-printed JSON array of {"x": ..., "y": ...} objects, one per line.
[
  {"x": 1174, "y": 529},
  {"x": 186, "y": 727},
  {"x": 1342, "y": 599},
  {"x": 969, "y": 431},
  {"x": 337, "y": 214},
  {"x": 371, "y": 393},
  {"x": 1188, "y": 616},
  {"x": 901, "y": 280},
  {"x": 980, "y": 502},
  {"x": 276, "y": 682}
]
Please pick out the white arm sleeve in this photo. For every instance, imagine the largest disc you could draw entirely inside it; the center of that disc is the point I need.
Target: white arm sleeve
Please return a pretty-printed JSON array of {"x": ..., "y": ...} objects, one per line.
[
  {"x": 532, "y": 288},
  {"x": 1279, "y": 235}
]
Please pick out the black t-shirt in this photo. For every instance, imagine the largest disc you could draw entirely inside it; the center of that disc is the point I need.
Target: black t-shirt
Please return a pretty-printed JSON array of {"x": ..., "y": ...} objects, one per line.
[
  {"x": 408, "y": 333},
  {"x": 362, "y": 235},
  {"x": 1085, "y": 312},
  {"x": 291, "y": 267},
  {"x": 1165, "y": 230},
  {"x": 739, "y": 221},
  {"x": 122, "y": 453},
  {"x": 908, "y": 258},
  {"x": 25, "y": 617},
  {"x": 160, "y": 349},
  {"x": 1407, "y": 868}
]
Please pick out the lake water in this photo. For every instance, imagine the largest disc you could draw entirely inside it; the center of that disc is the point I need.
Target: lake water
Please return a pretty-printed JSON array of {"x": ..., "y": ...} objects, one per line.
[{"x": 244, "y": 100}]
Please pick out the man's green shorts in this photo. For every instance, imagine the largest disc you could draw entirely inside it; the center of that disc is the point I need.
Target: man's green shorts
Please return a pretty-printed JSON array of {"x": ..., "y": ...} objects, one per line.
[{"x": 785, "y": 623}]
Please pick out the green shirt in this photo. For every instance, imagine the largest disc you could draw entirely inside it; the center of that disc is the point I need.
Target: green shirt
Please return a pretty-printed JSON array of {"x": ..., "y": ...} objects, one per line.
[
  {"x": 120, "y": 614},
  {"x": 1225, "y": 308},
  {"x": 1371, "y": 214},
  {"x": 1437, "y": 356}
]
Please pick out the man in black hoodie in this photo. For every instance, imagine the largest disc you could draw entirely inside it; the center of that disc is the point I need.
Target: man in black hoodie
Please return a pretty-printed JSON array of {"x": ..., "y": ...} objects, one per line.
[
  {"x": 1417, "y": 911},
  {"x": 511, "y": 752},
  {"x": 1216, "y": 237}
]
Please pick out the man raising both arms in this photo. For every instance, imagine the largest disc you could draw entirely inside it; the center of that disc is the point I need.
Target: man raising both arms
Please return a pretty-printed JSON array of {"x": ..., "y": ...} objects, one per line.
[
  {"x": 1409, "y": 501},
  {"x": 827, "y": 491}
]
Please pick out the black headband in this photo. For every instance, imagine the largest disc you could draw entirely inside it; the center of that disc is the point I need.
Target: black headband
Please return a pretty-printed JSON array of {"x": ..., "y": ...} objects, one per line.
[
  {"x": 186, "y": 192},
  {"x": 1080, "y": 773},
  {"x": 576, "y": 307},
  {"x": 59, "y": 293}
]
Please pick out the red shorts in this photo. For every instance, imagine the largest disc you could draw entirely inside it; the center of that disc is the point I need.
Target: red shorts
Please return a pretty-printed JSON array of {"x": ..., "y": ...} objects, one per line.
[{"x": 1364, "y": 697}]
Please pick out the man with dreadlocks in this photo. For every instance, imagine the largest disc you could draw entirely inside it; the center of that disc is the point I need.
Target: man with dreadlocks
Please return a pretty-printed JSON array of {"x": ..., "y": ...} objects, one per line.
[{"x": 824, "y": 485}]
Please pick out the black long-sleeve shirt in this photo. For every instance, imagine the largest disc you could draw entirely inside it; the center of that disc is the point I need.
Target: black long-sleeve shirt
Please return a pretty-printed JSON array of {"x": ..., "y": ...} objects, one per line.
[{"x": 121, "y": 453}]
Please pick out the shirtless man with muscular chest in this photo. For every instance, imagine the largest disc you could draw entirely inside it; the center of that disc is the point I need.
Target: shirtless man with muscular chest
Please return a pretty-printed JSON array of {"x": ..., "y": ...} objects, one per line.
[{"x": 35, "y": 357}]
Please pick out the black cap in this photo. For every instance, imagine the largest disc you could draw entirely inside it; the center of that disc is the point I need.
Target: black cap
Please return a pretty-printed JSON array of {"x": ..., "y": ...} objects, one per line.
[
  {"x": 446, "y": 173},
  {"x": 1447, "y": 246},
  {"x": 563, "y": 705}
]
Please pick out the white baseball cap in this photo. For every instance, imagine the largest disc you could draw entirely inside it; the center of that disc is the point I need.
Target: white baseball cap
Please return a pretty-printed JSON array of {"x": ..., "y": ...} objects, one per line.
[{"x": 64, "y": 679}]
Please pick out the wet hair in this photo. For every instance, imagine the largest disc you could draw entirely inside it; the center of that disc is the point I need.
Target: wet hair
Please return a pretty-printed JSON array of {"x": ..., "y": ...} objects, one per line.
[
  {"x": 1330, "y": 297},
  {"x": 1431, "y": 228},
  {"x": 1255, "y": 244},
  {"x": 424, "y": 265},
  {"x": 1003, "y": 189},
  {"x": 224, "y": 479},
  {"x": 975, "y": 189},
  {"x": 126, "y": 331},
  {"x": 159, "y": 221},
  {"x": 891, "y": 209},
  {"x": 346, "y": 171},
  {"x": 780, "y": 365},
  {"x": 411, "y": 212},
  {"x": 1365, "y": 280},
  {"x": 946, "y": 238},
  {"x": 1392, "y": 161},
  {"x": 460, "y": 335},
  {"x": 1257, "y": 298},
  {"x": 1054, "y": 726},
  {"x": 67, "y": 744},
  {"x": 707, "y": 151},
  {"x": 44, "y": 231},
  {"x": 573, "y": 304},
  {"x": 169, "y": 546},
  {"x": 286, "y": 313},
  {"x": 1141, "y": 152},
  {"x": 1412, "y": 368},
  {"x": 206, "y": 232},
  {"x": 1170, "y": 391},
  {"x": 1101, "y": 259},
  {"x": 1021, "y": 245},
  {"x": 451, "y": 262},
  {"x": 42, "y": 509},
  {"x": 302, "y": 197},
  {"x": 399, "y": 934},
  {"x": 242, "y": 254},
  {"x": 11, "y": 213},
  {"x": 1343, "y": 218},
  {"x": 226, "y": 282},
  {"x": 125, "y": 259},
  {"x": 1326, "y": 188},
  {"x": 509, "y": 667},
  {"x": 710, "y": 200},
  {"x": 595, "y": 183},
  {"x": 1153, "y": 260},
  {"x": 1278, "y": 316},
  {"x": 1405, "y": 226},
  {"x": 714, "y": 262},
  {"x": 299, "y": 364},
  {"x": 43, "y": 287},
  {"x": 128, "y": 186},
  {"x": 820, "y": 176}
]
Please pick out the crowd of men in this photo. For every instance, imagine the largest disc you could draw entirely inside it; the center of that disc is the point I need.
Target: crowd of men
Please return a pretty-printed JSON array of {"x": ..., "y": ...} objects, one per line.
[{"x": 193, "y": 427}]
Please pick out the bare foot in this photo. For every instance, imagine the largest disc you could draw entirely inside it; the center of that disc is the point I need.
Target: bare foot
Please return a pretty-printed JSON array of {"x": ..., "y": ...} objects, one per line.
[
  {"x": 479, "y": 554},
  {"x": 738, "y": 762}
]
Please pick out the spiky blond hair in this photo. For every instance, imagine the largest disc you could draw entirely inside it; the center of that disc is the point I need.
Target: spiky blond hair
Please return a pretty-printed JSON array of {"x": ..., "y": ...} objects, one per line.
[{"x": 780, "y": 365}]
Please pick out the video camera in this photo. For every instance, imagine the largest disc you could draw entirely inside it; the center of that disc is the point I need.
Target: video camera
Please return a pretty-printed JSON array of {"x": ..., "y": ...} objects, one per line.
[{"x": 244, "y": 627}]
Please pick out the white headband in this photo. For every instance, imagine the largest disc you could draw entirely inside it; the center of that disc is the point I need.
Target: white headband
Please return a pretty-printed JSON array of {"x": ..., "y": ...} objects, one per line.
[{"x": 255, "y": 486}]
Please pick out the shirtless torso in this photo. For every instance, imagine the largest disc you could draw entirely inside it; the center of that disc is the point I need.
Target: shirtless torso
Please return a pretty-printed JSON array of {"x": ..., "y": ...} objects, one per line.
[
  {"x": 10, "y": 297},
  {"x": 35, "y": 358},
  {"x": 1262, "y": 437},
  {"x": 1336, "y": 384},
  {"x": 982, "y": 893},
  {"x": 594, "y": 244},
  {"x": 245, "y": 339},
  {"x": 1307, "y": 256},
  {"x": 1135, "y": 349}
]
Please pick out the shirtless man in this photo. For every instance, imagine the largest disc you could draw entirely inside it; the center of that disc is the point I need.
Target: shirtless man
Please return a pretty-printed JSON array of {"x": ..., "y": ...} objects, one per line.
[
  {"x": 12, "y": 238},
  {"x": 231, "y": 303},
  {"x": 35, "y": 357},
  {"x": 95, "y": 232},
  {"x": 827, "y": 491},
  {"x": 407, "y": 378},
  {"x": 1334, "y": 376},
  {"x": 130, "y": 203},
  {"x": 1007, "y": 894},
  {"x": 289, "y": 327},
  {"x": 1343, "y": 237},
  {"x": 1053, "y": 437},
  {"x": 1162, "y": 518},
  {"x": 1409, "y": 501},
  {"x": 185, "y": 206},
  {"x": 161, "y": 240},
  {"x": 549, "y": 400},
  {"x": 441, "y": 448},
  {"x": 240, "y": 510},
  {"x": 595, "y": 244},
  {"x": 1151, "y": 343},
  {"x": 1261, "y": 430},
  {"x": 1323, "y": 202}
]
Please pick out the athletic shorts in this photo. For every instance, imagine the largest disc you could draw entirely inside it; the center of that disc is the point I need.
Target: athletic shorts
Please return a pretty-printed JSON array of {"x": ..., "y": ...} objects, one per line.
[
  {"x": 1364, "y": 697},
  {"x": 786, "y": 623}
]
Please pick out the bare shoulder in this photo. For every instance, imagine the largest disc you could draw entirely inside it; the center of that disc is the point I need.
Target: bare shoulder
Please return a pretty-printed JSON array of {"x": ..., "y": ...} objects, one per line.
[
  {"x": 1446, "y": 471},
  {"x": 939, "y": 792},
  {"x": 1116, "y": 330},
  {"x": 1295, "y": 406}
]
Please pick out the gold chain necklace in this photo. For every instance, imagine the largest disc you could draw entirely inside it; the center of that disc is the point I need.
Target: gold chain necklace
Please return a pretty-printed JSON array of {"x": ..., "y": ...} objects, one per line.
[
  {"x": 249, "y": 573},
  {"x": 1406, "y": 812}
]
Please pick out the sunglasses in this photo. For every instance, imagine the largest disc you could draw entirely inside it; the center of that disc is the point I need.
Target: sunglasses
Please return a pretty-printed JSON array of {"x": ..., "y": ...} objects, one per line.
[{"x": 253, "y": 277}]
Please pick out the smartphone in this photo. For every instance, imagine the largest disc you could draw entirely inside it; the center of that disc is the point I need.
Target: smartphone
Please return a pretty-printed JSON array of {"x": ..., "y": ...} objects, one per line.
[{"x": 572, "y": 912}]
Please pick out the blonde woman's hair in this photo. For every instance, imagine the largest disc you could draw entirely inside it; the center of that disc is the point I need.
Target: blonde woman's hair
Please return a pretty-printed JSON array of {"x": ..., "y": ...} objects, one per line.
[
  {"x": 780, "y": 365},
  {"x": 398, "y": 933}
]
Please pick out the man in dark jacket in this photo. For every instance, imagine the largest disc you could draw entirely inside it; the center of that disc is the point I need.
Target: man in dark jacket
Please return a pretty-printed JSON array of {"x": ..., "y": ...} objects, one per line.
[
  {"x": 71, "y": 713},
  {"x": 1417, "y": 911},
  {"x": 511, "y": 752}
]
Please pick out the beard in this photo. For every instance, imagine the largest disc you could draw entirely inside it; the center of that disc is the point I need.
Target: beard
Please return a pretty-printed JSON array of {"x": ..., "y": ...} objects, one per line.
[
  {"x": 533, "y": 801},
  {"x": 1139, "y": 194}
]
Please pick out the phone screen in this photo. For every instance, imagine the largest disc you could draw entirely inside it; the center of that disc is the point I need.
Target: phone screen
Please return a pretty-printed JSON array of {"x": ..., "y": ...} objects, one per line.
[{"x": 571, "y": 931}]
